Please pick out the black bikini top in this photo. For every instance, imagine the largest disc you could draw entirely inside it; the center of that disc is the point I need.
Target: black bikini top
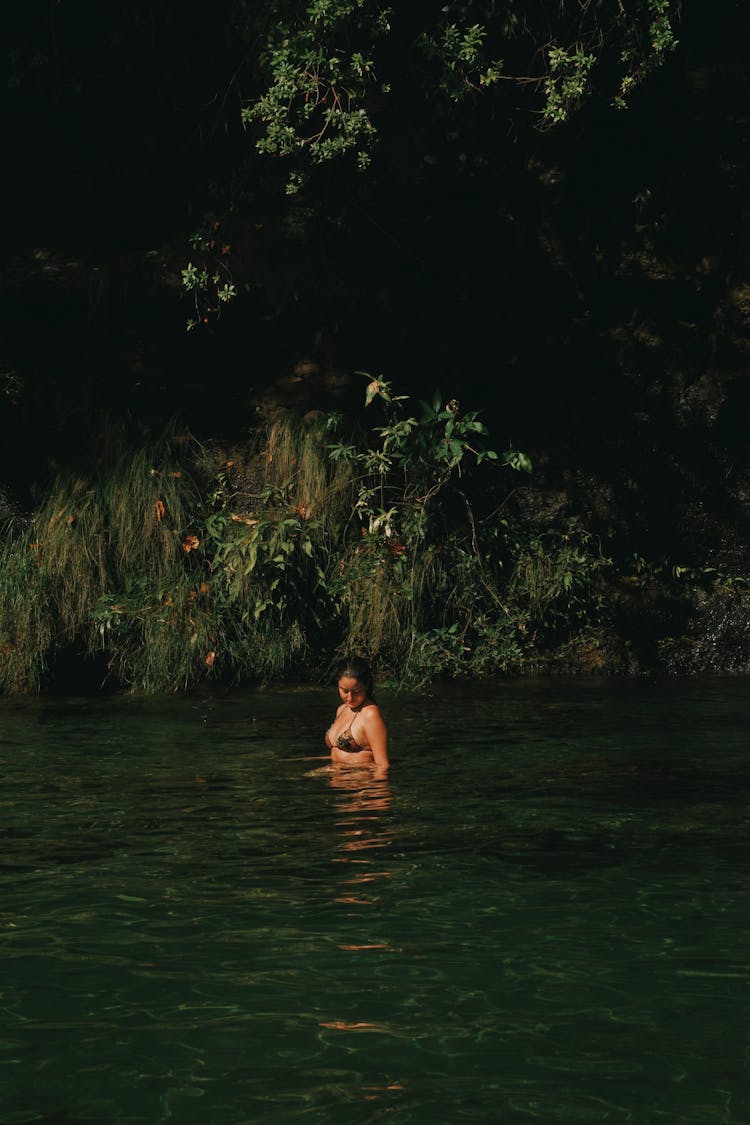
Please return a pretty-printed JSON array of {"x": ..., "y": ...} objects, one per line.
[{"x": 346, "y": 740}]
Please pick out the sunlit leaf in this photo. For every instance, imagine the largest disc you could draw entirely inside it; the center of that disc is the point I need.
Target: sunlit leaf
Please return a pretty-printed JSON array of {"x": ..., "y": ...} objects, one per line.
[{"x": 373, "y": 388}]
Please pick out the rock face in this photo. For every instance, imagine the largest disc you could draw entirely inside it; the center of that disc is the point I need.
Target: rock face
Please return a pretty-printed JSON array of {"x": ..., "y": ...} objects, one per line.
[
  {"x": 11, "y": 511},
  {"x": 716, "y": 637}
]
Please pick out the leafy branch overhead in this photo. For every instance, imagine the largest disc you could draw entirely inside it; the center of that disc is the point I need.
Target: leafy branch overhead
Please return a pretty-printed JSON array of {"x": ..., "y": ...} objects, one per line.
[
  {"x": 347, "y": 83},
  {"x": 330, "y": 68}
]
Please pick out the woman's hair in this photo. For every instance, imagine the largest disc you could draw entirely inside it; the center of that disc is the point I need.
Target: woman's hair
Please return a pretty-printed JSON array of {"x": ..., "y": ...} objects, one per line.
[{"x": 357, "y": 669}]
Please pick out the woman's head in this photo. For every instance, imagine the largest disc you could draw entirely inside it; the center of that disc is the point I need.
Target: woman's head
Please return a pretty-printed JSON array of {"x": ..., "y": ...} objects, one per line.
[{"x": 355, "y": 680}]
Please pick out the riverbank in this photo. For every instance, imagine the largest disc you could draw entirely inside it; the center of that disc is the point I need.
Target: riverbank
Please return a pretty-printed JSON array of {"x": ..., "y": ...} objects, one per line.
[{"x": 404, "y": 536}]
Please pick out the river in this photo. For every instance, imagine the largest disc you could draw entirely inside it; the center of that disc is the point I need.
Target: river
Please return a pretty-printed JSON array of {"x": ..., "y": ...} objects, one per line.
[{"x": 543, "y": 914}]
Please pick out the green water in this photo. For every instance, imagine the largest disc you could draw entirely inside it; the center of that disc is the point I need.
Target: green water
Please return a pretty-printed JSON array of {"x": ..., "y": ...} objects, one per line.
[{"x": 543, "y": 915}]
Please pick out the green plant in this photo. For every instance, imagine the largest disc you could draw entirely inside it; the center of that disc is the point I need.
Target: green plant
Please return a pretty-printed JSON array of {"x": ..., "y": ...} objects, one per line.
[
  {"x": 392, "y": 575},
  {"x": 320, "y": 67},
  {"x": 648, "y": 37},
  {"x": 566, "y": 82},
  {"x": 555, "y": 584},
  {"x": 210, "y": 283}
]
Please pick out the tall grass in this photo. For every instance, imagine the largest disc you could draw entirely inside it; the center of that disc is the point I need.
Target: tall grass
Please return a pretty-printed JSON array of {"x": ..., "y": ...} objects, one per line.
[
  {"x": 98, "y": 564},
  {"x": 164, "y": 637},
  {"x": 297, "y": 469},
  {"x": 26, "y": 614}
]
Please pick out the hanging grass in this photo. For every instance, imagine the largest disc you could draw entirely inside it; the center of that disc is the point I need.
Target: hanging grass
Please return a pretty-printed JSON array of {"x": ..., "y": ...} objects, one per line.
[
  {"x": 163, "y": 639},
  {"x": 372, "y": 598},
  {"x": 102, "y": 552},
  {"x": 151, "y": 505},
  {"x": 26, "y": 615},
  {"x": 70, "y": 529},
  {"x": 299, "y": 471}
]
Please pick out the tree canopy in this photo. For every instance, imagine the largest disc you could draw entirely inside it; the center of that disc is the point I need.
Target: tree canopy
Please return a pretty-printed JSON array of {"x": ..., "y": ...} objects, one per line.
[{"x": 260, "y": 98}]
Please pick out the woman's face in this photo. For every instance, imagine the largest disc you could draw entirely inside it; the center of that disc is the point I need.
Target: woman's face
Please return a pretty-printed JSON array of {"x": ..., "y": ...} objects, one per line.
[{"x": 352, "y": 691}]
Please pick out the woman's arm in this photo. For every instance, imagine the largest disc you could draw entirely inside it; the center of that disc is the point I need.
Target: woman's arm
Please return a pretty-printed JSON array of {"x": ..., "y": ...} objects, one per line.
[{"x": 377, "y": 736}]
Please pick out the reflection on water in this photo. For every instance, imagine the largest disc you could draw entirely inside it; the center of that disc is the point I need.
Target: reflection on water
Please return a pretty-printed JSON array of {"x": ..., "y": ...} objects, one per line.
[
  {"x": 361, "y": 829},
  {"x": 541, "y": 915}
]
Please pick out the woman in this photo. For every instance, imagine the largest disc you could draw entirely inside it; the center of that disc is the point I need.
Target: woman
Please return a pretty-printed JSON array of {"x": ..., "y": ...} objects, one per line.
[{"x": 358, "y": 736}]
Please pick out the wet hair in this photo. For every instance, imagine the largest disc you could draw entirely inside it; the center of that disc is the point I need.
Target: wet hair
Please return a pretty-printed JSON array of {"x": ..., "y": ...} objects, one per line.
[{"x": 355, "y": 668}]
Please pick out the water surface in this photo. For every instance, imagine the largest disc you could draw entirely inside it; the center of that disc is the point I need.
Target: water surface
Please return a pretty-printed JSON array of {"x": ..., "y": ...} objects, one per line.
[{"x": 543, "y": 915}]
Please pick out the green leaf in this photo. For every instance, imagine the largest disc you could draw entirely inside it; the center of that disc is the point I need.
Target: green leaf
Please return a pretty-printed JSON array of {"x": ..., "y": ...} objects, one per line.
[
  {"x": 373, "y": 389},
  {"x": 517, "y": 460}
]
